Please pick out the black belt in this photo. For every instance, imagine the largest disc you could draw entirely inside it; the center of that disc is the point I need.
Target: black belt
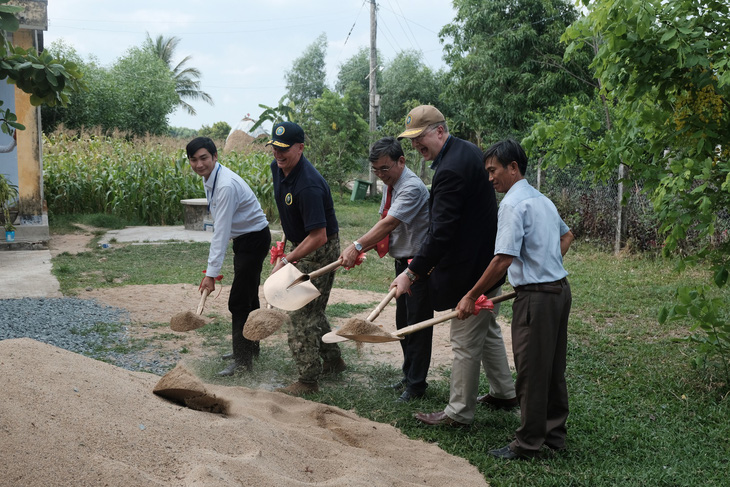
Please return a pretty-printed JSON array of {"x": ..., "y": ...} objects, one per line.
[
  {"x": 555, "y": 287},
  {"x": 265, "y": 229}
]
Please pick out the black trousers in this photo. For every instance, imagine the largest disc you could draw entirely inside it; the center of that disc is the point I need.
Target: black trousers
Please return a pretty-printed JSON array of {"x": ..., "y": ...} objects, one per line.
[
  {"x": 249, "y": 252},
  {"x": 416, "y": 346}
]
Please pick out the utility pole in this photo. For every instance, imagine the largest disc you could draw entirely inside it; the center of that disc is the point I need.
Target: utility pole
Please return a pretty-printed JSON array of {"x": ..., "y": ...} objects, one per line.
[{"x": 374, "y": 98}]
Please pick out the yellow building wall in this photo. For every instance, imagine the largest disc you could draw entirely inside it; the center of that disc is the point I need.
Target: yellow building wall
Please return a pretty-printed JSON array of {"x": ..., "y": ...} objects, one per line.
[{"x": 30, "y": 176}]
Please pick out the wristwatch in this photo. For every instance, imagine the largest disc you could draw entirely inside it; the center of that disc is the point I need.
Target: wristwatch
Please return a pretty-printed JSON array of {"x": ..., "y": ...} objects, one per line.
[
  {"x": 283, "y": 260},
  {"x": 411, "y": 276},
  {"x": 357, "y": 245}
]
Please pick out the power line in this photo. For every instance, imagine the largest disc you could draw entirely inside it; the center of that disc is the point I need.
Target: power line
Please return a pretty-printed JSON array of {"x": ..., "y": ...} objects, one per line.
[{"x": 408, "y": 26}]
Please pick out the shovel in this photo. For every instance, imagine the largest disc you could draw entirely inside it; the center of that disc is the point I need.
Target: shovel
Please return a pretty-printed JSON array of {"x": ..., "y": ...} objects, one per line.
[
  {"x": 319, "y": 272},
  {"x": 333, "y": 337},
  {"x": 280, "y": 289},
  {"x": 379, "y": 336}
]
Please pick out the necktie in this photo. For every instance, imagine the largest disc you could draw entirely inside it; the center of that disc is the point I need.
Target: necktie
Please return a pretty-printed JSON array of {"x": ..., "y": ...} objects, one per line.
[{"x": 382, "y": 246}]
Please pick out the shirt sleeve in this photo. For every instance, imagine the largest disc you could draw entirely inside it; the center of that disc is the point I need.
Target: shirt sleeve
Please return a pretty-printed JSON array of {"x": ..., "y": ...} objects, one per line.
[
  {"x": 563, "y": 228},
  {"x": 222, "y": 219},
  {"x": 510, "y": 231}
]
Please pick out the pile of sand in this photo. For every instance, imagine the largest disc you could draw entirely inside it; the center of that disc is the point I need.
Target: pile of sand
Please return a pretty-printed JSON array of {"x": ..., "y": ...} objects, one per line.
[
  {"x": 186, "y": 321},
  {"x": 70, "y": 420}
]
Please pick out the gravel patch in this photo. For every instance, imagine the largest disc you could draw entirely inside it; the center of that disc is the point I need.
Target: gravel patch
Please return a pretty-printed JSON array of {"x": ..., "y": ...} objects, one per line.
[{"x": 82, "y": 326}]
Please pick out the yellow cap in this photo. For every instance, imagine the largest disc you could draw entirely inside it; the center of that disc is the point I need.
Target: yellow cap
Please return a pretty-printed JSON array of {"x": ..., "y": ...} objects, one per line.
[{"x": 419, "y": 119}]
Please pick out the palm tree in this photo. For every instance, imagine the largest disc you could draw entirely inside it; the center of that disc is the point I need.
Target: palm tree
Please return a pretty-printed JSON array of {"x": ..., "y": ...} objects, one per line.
[{"x": 187, "y": 79}]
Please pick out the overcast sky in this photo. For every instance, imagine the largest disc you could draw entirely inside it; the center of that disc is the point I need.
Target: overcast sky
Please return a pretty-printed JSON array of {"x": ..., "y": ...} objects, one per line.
[{"x": 243, "y": 47}]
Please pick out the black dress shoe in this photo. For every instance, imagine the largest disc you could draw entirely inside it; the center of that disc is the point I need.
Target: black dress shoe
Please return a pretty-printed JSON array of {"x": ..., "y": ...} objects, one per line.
[
  {"x": 507, "y": 453},
  {"x": 407, "y": 396},
  {"x": 496, "y": 403},
  {"x": 233, "y": 369},
  {"x": 228, "y": 356},
  {"x": 398, "y": 386}
]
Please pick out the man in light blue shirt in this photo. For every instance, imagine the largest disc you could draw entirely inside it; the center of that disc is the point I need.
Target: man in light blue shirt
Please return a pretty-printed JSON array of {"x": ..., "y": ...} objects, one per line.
[
  {"x": 237, "y": 215},
  {"x": 531, "y": 242}
]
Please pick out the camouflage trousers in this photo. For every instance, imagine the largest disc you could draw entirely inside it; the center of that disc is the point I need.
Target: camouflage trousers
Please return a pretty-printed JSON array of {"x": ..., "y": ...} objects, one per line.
[{"x": 309, "y": 323}]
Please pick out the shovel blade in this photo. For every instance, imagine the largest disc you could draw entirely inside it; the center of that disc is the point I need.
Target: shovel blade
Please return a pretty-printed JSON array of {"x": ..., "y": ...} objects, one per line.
[
  {"x": 333, "y": 337},
  {"x": 373, "y": 338},
  {"x": 278, "y": 294}
]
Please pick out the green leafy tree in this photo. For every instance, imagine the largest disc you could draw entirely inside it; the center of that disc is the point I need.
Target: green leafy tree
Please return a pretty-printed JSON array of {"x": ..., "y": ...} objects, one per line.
[
  {"x": 354, "y": 73},
  {"x": 306, "y": 79},
  {"x": 405, "y": 78},
  {"x": 47, "y": 80},
  {"x": 147, "y": 92},
  {"x": 506, "y": 63},
  {"x": 219, "y": 131},
  {"x": 187, "y": 78},
  {"x": 183, "y": 133},
  {"x": 135, "y": 95},
  {"x": 337, "y": 138},
  {"x": 665, "y": 65}
]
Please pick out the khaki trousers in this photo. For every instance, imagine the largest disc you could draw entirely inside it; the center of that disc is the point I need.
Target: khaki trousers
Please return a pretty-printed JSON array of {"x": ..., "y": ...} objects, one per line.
[{"x": 474, "y": 341}]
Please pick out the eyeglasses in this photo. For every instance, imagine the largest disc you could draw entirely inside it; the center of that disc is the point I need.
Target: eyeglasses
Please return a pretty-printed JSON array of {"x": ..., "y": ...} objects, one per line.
[
  {"x": 423, "y": 134},
  {"x": 381, "y": 170}
]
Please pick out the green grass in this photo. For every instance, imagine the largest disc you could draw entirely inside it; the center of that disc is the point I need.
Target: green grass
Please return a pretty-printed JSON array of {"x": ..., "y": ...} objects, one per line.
[
  {"x": 640, "y": 415},
  {"x": 65, "y": 223}
]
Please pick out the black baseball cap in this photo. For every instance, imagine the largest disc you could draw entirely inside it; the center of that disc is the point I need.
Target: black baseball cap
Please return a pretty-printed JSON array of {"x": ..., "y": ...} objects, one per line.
[{"x": 285, "y": 134}]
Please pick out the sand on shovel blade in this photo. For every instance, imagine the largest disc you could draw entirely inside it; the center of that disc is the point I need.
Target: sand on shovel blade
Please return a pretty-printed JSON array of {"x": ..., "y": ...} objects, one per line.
[
  {"x": 186, "y": 322},
  {"x": 357, "y": 326},
  {"x": 182, "y": 386},
  {"x": 263, "y": 322}
]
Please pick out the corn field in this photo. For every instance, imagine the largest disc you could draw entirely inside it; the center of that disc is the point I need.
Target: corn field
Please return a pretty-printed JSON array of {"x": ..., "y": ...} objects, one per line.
[{"x": 140, "y": 180}]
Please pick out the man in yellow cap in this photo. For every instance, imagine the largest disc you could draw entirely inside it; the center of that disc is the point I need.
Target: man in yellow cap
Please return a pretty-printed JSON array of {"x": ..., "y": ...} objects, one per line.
[{"x": 457, "y": 249}]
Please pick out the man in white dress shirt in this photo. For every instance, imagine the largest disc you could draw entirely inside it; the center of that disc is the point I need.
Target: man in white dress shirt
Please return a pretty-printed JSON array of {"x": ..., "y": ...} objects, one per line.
[{"x": 237, "y": 215}]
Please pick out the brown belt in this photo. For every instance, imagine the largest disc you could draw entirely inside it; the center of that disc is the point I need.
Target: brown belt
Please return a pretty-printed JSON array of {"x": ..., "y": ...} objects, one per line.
[{"x": 555, "y": 287}]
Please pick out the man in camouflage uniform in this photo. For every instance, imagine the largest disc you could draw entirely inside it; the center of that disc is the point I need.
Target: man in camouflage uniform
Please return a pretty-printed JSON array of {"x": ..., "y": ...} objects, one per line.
[{"x": 307, "y": 215}]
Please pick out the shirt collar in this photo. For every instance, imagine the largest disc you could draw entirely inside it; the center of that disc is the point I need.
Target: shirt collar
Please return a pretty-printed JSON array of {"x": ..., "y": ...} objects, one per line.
[
  {"x": 208, "y": 183},
  {"x": 436, "y": 161}
]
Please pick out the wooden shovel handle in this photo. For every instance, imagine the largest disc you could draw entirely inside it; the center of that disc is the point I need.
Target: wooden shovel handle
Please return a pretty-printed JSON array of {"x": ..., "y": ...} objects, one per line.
[
  {"x": 382, "y": 305},
  {"x": 203, "y": 296},
  {"x": 324, "y": 270},
  {"x": 440, "y": 319}
]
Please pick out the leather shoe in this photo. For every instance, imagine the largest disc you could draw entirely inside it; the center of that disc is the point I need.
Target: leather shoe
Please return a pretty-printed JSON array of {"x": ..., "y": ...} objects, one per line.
[
  {"x": 496, "y": 403},
  {"x": 407, "y": 396},
  {"x": 507, "y": 453},
  {"x": 439, "y": 418},
  {"x": 233, "y": 369},
  {"x": 398, "y": 386},
  {"x": 228, "y": 356}
]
